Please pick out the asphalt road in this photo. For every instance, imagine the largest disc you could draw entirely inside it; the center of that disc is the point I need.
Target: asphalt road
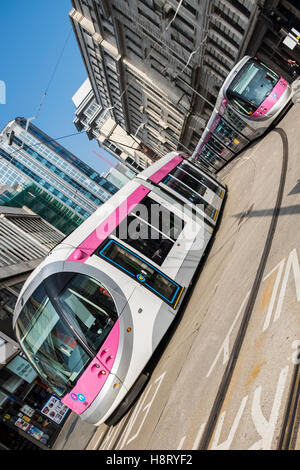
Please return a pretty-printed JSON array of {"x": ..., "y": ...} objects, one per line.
[{"x": 252, "y": 269}]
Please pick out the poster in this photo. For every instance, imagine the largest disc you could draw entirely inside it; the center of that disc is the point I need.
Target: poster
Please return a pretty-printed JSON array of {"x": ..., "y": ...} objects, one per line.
[
  {"x": 22, "y": 424},
  {"x": 27, "y": 410},
  {"x": 35, "y": 432},
  {"x": 55, "y": 409}
]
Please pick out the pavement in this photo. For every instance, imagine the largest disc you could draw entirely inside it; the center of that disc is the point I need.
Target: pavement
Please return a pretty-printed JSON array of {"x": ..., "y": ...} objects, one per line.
[
  {"x": 193, "y": 361},
  {"x": 75, "y": 434}
]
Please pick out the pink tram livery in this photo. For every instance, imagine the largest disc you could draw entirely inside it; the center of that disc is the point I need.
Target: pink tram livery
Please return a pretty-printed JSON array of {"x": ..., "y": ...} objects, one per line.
[
  {"x": 251, "y": 99},
  {"x": 93, "y": 312}
]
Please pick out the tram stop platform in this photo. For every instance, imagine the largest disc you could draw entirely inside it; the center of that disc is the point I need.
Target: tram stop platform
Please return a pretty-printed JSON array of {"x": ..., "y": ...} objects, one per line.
[{"x": 223, "y": 286}]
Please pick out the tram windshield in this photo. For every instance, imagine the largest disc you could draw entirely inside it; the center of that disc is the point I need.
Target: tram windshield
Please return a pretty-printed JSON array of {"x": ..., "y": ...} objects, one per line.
[
  {"x": 51, "y": 341},
  {"x": 251, "y": 86}
]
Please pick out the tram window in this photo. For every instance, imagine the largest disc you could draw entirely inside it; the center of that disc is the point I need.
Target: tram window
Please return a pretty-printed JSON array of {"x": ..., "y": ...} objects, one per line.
[
  {"x": 159, "y": 217},
  {"x": 151, "y": 229},
  {"x": 189, "y": 180},
  {"x": 236, "y": 121},
  {"x": 50, "y": 343},
  {"x": 203, "y": 179},
  {"x": 140, "y": 270},
  {"x": 211, "y": 157},
  {"x": 91, "y": 307},
  {"x": 227, "y": 134},
  {"x": 216, "y": 146},
  {"x": 242, "y": 105},
  {"x": 190, "y": 195},
  {"x": 144, "y": 238},
  {"x": 251, "y": 86}
]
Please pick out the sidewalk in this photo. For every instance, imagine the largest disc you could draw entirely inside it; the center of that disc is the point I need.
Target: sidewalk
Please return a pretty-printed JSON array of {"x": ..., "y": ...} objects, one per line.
[{"x": 75, "y": 434}]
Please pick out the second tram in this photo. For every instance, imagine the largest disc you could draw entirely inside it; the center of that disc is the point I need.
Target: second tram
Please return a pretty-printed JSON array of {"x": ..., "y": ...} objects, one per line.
[{"x": 250, "y": 99}]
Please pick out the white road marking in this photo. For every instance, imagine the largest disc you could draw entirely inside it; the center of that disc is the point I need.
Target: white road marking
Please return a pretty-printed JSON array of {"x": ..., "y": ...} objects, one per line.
[
  {"x": 181, "y": 443},
  {"x": 110, "y": 436},
  {"x": 266, "y": 428},
  {"x": 292, "y": 262},
  {"x": 140, "y": 408},
  {"x": 274, "y": 291},
  {"x": 225, "y": 346},
  {"x": 198, "y": 437},
  {"x": 226, "y": 444}
]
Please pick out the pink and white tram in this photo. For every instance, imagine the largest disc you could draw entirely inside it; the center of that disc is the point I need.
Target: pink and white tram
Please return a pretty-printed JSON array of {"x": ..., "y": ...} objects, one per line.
[
  {"x": 251, "y": 98},
  {"x": 91, "y": 315}
]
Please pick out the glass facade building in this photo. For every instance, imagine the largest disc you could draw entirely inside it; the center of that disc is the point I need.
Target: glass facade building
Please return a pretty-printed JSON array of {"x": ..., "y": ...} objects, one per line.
[
  {"x": 46, "y": 205},
  {"x": 29, "y": 156}
]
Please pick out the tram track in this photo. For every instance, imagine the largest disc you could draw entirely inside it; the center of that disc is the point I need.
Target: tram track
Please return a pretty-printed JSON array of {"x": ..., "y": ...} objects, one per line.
[
  {"x": 290, "y": 421},
  {"x": 291, "y": 414}
]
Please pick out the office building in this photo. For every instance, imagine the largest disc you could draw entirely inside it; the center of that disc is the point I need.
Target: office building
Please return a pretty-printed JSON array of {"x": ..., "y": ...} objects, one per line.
[
  {"x": 119, "y": 175},
  {"x": 29, "y": 156},
  {"x": 25, "y": 240},
  {"x": 277, "y": 34},
  {"x": 50, "y": 208},
  {"x": 156, "y": 66},
  {"x": 99, "y": 124}
]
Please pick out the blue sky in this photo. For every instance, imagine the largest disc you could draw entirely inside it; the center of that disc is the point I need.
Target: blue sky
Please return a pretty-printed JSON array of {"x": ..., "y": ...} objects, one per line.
[{"x": 33, "y": 34}]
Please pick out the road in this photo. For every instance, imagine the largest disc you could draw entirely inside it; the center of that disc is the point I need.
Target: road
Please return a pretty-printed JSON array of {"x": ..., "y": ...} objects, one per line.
[{"x": 250, "y": 281}]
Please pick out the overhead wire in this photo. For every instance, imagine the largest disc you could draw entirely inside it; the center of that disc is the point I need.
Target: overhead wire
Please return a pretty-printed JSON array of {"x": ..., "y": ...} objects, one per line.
[
  {"x": 53, "y": 74},
  {"x": 49, "y": 83},
  {"x": 174, "y": 17},
  {"x": 46, "y": 142}
]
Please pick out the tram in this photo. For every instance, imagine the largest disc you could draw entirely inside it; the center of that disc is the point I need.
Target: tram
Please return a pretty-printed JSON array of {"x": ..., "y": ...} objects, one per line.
[
  {"x": 93, "y": 312},
  {"x": 251, "y": 98}
]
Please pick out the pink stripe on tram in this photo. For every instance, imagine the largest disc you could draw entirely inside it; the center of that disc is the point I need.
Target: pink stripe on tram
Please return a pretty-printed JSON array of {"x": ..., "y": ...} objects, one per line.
[
  {"x": 162, "y": 172},
  {"x": 88, "y": 246},
  {"x": 108, "y": 351},
  {"x": 272, "y": 99},
  {"x": 94, "y": 377}
]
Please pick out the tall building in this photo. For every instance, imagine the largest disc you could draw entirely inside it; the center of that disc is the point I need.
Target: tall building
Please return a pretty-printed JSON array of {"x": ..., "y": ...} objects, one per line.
[
  {"x": 156, "y": 65},
  {"x": 277, "y": 33},
  {"x": 119, "y": 175},
  {"x": 29, "y": 156},
  {"x": 99, "y": 124},
  {"x": 50, "y": 208}
]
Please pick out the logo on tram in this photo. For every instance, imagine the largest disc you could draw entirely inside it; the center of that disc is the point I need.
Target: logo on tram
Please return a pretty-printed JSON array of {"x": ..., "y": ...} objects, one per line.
[{"x": 79, "y": 397}]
